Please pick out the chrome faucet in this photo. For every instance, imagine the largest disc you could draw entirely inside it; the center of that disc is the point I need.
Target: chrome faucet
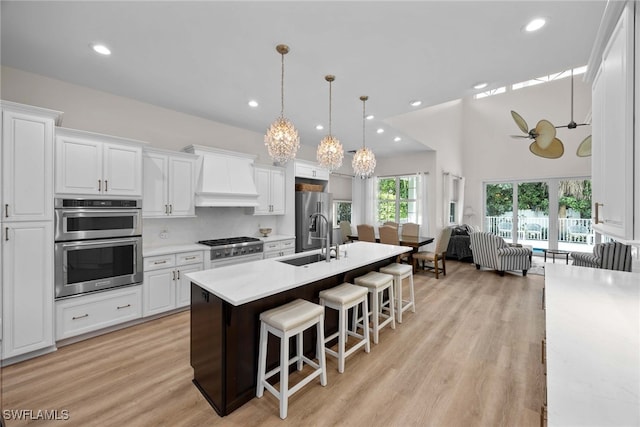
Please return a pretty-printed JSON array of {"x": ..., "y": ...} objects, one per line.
[{"x": 327, "y": 238}]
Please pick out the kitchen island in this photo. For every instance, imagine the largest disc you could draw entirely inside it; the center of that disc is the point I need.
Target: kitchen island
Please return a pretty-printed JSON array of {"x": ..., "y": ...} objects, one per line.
[{"x": 226, "y": 304}]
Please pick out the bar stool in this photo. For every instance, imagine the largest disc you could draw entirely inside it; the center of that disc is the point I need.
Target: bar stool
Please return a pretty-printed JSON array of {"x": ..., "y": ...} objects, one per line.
[
  {"x": 399, "y": 273},
  {"x": 377, "y": 283},
  {"x": 342, "y": 298},
  {"x": 289, "y": 320}
]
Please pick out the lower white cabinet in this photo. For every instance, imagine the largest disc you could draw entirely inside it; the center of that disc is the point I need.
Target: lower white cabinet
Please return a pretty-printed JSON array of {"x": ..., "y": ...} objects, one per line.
[
  {"x": 278, "y": 248},
  {"x": 87, "y": 313},
  {"x": 165, "y": 285},
  {"x": 27, "y": 285}
]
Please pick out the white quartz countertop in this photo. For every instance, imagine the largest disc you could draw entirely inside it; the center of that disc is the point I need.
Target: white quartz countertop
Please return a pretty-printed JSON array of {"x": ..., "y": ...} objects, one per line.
[
  {"x": 173, "y": 249},
  {"x": 243, "y": 283},
  {"x": 593, "y": 346},
  {"x": 276, "y": 238}
]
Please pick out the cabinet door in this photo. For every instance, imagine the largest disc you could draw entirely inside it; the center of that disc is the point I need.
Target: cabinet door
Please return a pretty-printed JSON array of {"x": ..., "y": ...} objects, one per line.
[
  {"x": 27, "y": 280},
  {"x": 263, "y": 185},
  {"x": 158, "y": 291},
  {"x": 155, "y": 203},
  {"x": 122, "y": 170},
  {"x": 181, "y": 186},
  {"x": 277, "y": 192},
  {"x": 78, "y": 166},
  {"x": 183, "y": 296},
  {"x": 27, "y": 167},
  {"x": 612, "y": 159}
]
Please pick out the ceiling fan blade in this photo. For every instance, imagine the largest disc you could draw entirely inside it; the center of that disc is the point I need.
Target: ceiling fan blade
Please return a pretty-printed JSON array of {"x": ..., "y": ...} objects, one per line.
[
  {"x": 544, "y": 133},
  {"x": 520, "y": 122},
  {"x": 584, "y": 149},
  {"x": 553, "y": 151}
]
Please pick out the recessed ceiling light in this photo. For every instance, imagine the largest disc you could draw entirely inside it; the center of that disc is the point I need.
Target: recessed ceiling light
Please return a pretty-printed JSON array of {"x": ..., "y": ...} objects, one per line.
[
  {"x": 415, "y": 103},
  {"x": 101, "y": 49},
  {"x": 319, "y": 127},
  {"x": 535, "y": 24},
  {"x": 380, "y": 130},
  {"x": 397, "y": 139},
  {"x": 253, "y": 103},
  {"x": 370, "y": 117},
  {"x": 480, "y": 85}
]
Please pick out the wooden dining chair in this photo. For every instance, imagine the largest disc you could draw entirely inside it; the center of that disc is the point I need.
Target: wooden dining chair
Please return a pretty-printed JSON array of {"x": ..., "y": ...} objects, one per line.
[
  {"x": 392, "y": 224},
  {"x": 432, "y": 260},
  {"x": 411, "y": 229},
  {"x": 389, "y": 236},
  {"x": 366, "y": 233}
]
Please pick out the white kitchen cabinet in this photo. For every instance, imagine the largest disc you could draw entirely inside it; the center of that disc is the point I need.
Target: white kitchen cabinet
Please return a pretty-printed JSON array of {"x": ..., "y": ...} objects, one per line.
[
  {"x": 613, "y": 133},
  {"x": 92, "y": 164},
  {"x": 273, "y": 249},
  {"x": 165, "y": 286},
  {"x": 87, "y": 313},
  {"x": 27, "y": 163},
  {"x": 270, "y": 183},
  {"x": 310, "y": 170},
  {"x": 27, "y": 278},
  {"x": 169, "y": 184}
]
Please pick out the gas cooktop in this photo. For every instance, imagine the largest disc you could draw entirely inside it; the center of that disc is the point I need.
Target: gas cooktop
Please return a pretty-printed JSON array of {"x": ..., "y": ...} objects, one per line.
[
  {"x": 233, "y": 247},
  {"x": 229, "y": 241}
]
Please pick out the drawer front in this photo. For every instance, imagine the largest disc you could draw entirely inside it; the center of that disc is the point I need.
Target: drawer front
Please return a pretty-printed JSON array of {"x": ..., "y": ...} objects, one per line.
[
  {"x": 187, "y": 258},
  {"x": 288, "y": 244},
  {"x": 160, "y": 261},
  {"x": 271, "y": 246},
  {"x": 80, "y": 315}
]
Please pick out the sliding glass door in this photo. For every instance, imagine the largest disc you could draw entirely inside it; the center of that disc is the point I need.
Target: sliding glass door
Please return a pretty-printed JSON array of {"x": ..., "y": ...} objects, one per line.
[{"x": 553, "y": 213}]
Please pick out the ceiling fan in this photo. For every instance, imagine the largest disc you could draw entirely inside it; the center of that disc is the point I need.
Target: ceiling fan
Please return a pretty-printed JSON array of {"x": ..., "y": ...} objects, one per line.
[{"x": 545, "y": 143}]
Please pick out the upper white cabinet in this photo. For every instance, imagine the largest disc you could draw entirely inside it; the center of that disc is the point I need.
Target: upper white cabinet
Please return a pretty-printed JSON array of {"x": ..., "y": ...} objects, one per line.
[
  {"x": 311, "y": 170},
  {"x": 27, "y": 162},
  {"x": 270, "y": 184},
  {"x": 613, "y": 132},
  {"x": 93, "y": 164},
  {"x": 169, "y": 184}
]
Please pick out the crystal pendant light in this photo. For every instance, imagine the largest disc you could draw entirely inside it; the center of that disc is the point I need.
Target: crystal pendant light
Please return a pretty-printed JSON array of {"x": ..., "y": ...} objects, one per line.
[
  {"x": 364, "y": 161},
  {"x": 330, "y": 152},
  {"x": 282, "y": 138}
]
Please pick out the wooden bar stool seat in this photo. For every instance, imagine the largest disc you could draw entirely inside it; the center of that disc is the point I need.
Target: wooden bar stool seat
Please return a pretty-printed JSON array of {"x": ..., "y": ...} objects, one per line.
[
  {"x": 343, "y": 298},
  {"x": 286, "y": 321},
  {"x": 399, "y": 273},
  {"x": 377, "y": 283}
]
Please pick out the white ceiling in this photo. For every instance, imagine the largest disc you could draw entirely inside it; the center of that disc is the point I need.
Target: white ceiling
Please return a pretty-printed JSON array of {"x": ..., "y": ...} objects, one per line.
[{"x": 208, "y": 58}]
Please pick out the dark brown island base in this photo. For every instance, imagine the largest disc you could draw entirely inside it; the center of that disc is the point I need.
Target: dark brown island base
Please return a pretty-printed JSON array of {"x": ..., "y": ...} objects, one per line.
[{"x": 225, "y": 337}]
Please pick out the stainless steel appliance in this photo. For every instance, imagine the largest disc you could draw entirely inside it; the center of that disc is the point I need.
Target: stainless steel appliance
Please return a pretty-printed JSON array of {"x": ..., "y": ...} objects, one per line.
[
  {"x": 98, "y": 245},
  {"x": 311, "y": 232},
  {"x": 234, "y": 250}
]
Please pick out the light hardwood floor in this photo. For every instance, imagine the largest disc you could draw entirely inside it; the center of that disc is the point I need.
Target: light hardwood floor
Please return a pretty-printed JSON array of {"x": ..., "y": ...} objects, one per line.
[{"x": 469, "y": 356}]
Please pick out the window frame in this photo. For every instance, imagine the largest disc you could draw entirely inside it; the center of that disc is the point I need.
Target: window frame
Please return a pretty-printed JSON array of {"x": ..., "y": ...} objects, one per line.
[
  {"x": 398, "y": 201},
  {"x": 334, "y": 207}
]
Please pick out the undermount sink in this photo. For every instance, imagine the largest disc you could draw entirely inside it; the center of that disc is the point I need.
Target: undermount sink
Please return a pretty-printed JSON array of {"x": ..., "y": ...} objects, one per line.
[{"x": 304, "y": 260}]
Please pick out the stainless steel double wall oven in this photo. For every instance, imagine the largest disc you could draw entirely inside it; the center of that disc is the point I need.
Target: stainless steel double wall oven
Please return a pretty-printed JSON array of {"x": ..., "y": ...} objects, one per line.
[{"x": 98, "y": 245}]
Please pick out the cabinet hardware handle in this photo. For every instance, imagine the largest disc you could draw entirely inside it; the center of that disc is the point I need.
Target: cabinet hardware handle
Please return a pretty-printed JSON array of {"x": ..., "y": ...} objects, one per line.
[
  {"x": 6, "y": 210},
  {"x": 106, "y": 185},
  {"x": 190, "y": 257},
  {"x": 178, "y": 275},
  {"x": 544, "y": 352},
  {"x": 173, "y": 274},
  {"x": 166, "y": 209},
  {"x": 99, "y": 185},
  {"x": 597, "y": 218},
  {"x": 170, "y": 209},
  {"x": 120, "y": 307},
  {"x": 6, "y": 234},
  {"x": 80, "y": 317},
  {"x": 160, "y": 262}
]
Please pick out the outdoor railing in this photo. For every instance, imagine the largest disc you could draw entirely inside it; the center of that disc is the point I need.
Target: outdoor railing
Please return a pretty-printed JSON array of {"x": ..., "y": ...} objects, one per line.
[{"x": 570, "y": 230}]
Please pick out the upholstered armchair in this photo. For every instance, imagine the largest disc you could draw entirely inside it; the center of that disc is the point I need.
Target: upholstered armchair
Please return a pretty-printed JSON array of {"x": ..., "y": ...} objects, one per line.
[
  {"x": 492, "y": 251},
  {"x": 610, "y": 256}
]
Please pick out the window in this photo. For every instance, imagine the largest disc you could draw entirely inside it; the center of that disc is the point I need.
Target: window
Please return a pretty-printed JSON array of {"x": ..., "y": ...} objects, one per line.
[
  {"x": 341, "y": 211},
  {"x": 397, "y": 199}
]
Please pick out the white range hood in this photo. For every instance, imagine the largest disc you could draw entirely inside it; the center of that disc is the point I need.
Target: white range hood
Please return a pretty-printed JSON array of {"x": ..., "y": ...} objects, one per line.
[{"x": 224, "y": 178}]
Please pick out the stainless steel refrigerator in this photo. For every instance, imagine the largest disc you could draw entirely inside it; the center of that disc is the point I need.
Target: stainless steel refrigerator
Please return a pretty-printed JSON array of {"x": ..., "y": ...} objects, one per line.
[{"x": 310, "y": 233}]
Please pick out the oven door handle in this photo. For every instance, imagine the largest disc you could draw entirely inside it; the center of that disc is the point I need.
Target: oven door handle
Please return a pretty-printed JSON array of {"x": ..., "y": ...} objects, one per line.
[
  {"x": 99, "y": 212},
  {"x": 101, "y": 243}
]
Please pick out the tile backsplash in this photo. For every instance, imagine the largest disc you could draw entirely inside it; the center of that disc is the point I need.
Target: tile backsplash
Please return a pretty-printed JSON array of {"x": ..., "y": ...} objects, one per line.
[{"x": 209, "y": 223}]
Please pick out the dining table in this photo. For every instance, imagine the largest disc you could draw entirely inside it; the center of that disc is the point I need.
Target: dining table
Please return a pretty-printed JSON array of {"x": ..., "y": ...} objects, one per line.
[{"x": 414, "y": 241}]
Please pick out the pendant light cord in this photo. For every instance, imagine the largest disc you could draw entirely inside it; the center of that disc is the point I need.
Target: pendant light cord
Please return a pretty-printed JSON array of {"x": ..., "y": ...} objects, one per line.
[
  {"x": 329, "y": 107},
  {"x": 363, "y": 121},
  {"x": 282, "y": 87}
]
